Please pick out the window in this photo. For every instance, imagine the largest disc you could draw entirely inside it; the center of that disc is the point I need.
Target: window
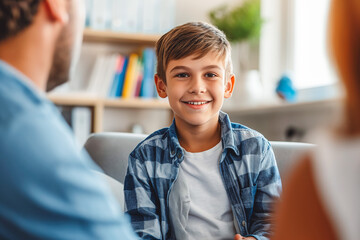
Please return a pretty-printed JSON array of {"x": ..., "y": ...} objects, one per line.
[{"x": 310, "y": 57}]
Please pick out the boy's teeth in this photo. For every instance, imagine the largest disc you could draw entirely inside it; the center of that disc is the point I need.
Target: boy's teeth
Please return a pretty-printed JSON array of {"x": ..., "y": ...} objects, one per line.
[{"x": 196, "y": 103}]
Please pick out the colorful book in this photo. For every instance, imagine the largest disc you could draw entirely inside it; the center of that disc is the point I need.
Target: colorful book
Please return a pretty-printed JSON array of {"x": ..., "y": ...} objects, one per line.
[
  {"x": 121, "y": 78},
  {"x": 148, "y": 85},
  {"x": 129, "y": 82},
  {"x": 115, "y": 82},
  {"x": 139, "y": 78},
  {"x": 108, "y": 75}
]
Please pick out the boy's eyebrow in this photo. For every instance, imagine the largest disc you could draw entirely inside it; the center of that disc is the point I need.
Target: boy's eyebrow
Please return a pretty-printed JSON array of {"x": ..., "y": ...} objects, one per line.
[
  {"x": 212, "y": 66},
  {"x": 187, "y": 68},
  {"x": 179, "y": 67}
]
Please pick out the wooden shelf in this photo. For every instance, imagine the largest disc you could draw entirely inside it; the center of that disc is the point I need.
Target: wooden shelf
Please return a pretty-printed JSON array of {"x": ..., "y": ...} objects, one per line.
[
  {"x": 281, "y": 107},
  {"x": 91, "y": 101},
  {"x": 137, "y": 103},
  {"x": 91, "y": 35},
  {"x": 74, "y": 100},
  {"x": 99, "y": 105}
]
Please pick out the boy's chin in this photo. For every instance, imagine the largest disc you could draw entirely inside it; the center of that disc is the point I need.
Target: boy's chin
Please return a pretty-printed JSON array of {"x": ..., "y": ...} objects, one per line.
[{"x": 197, "y": 121}]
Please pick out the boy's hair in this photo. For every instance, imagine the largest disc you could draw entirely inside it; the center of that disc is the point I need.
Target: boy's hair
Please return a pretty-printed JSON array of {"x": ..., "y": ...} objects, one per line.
[
  {"x": 16, "y": 16},
  {"x": 193, "y": 38}
]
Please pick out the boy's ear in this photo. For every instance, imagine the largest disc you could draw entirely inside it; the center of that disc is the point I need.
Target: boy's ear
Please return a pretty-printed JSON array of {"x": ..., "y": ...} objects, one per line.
[
  {"x": 160, "y": 86},
  {"x": 229, "y": 86}
]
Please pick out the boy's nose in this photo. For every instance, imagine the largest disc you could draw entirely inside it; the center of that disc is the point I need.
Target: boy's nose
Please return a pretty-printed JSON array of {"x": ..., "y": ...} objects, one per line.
[{"x": 197, "y": 86}]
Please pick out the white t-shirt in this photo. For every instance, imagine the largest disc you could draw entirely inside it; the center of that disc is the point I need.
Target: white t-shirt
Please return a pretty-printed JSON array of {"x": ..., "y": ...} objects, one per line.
[
  {"x": 337, "y": 175},
  {"x": 210, "y": 215}
]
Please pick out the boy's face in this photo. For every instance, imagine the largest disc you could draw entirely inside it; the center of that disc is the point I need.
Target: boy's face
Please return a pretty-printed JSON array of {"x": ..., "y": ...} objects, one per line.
[{"x": 196, "y": 89}]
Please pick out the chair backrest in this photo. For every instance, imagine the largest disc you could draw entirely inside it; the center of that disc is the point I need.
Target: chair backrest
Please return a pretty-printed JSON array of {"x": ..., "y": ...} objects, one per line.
[
  {"x": 288, "y": 153},
  {"x": 111, "y": 151}
]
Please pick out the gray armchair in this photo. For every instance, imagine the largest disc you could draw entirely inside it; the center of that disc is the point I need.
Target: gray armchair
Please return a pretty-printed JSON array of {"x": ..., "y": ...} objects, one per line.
[{"x": 111, "y": 150}]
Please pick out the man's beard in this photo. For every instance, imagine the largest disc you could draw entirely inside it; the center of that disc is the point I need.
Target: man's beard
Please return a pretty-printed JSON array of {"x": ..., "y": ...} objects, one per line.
[
  {"x": 60, "y": 69},
  {"x": 68, "y": 47}
]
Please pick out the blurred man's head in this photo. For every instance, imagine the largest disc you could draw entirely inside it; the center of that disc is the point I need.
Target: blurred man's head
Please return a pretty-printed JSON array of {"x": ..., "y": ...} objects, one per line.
[{"x": 16, "y": 16}]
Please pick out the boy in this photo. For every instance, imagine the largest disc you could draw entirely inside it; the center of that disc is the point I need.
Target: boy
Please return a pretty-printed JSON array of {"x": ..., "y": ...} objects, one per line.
[{"x": 204, "y": 177}]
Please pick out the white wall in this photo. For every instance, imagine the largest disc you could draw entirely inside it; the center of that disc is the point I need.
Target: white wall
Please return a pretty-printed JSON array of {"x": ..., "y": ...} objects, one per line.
[{"x": 197, "y": 10}]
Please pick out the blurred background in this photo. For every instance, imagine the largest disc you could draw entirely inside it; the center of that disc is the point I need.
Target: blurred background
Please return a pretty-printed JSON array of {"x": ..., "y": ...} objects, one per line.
[{"x": 285, "y": 87}]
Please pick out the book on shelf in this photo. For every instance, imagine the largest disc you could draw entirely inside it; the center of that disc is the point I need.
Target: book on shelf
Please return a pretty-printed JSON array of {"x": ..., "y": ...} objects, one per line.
[
  {"x": 135, "y": 16},
  {"x": 130, "y": 76},
  {"x": 139, "y": 76},
  {"x": 167, "y": 21},
  {"x": 115, "y": 75},
  {"x": 149, "y": 63},
  {"x": 95, "y": 74},
  {"x": 102, "y": 75},
  {"x": 121, "y": 78},
  {"x": 108, "y": 77},
  {"x": 118, "y": 13},
  {"x": 132, "y": 20},
  {"x": 99, "y": 14},
  {"x": 116, "y": 78}
]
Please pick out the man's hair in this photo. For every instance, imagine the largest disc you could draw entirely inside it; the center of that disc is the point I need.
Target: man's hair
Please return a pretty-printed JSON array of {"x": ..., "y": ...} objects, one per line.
[
  {"x": 16, "y": 15},
  {"x": 194, "y": 38}
]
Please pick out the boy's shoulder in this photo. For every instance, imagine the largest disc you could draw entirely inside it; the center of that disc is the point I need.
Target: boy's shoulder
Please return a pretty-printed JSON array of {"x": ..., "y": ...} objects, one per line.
[
  {"x": 237, "y": 131},
  {"x": 245, "y": 132},
  {"x": 157, "y": 139},
  {"x": 248, "y": 138}
]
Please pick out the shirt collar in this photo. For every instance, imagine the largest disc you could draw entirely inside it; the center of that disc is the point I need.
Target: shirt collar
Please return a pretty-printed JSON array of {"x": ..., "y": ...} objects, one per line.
[
  {"x": 15, "y": 74},
  {"x": 227, "y": 136},
  {"x": 175, "y": 147}
]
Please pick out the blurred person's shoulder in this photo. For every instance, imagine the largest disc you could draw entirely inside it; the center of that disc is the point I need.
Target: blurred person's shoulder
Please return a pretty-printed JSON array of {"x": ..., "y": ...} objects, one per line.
[
  {"x": 335, "y": 164},
  {"x": 17, "y": 94}
]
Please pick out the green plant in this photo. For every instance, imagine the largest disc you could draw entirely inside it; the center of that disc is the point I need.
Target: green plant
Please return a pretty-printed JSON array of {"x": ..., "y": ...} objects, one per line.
[{"x": 240, "y": 23}]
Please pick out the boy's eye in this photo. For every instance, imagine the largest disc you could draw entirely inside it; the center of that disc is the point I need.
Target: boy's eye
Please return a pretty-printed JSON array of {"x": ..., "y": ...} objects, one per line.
[
  {"x": 210, "y": 75},
  {"x": 182, "y": 75}
]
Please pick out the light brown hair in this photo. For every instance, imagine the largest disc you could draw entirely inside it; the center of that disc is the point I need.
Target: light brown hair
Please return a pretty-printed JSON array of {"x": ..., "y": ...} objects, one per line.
[
  {"x": 194, "y": 38},
  {"x": 345, "y": 46}
]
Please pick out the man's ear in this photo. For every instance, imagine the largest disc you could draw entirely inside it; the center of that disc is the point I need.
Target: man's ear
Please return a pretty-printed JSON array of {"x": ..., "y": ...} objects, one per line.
[
  {"x": 160, "y": 86},
  {"x": 229, "y": 86},
  {"x": 57, "y": 10}
]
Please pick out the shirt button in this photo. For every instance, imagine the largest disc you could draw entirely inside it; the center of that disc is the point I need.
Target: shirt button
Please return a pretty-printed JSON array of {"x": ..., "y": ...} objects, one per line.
[
  {"x": 179, "y": 155},
  {"x": 243, "y": 223}
]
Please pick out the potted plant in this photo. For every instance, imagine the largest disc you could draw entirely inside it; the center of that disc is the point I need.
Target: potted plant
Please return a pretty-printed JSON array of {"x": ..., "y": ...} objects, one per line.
[{"x": 241, "y": 25}]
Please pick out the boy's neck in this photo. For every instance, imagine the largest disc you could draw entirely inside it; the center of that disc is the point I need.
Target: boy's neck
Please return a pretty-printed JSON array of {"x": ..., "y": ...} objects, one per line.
[{"x": 198, "y": 138}]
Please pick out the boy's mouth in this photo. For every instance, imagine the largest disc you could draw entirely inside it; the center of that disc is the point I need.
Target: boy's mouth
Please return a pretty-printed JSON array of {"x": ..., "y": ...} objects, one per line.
[{"x": 196, "y": 104}]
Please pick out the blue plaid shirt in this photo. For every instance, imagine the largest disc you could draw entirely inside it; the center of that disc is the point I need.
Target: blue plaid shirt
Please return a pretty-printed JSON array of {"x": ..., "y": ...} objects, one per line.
[{"x": 247, "y": 166}]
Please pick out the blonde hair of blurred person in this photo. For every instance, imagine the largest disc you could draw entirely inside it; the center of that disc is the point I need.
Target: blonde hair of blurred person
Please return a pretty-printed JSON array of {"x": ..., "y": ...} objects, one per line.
[{"x": 319, "y": 200}]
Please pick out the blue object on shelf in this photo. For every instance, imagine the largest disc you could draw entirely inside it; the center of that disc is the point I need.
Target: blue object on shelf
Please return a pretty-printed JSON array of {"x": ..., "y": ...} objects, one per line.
[{"x": 285, "y": 89}]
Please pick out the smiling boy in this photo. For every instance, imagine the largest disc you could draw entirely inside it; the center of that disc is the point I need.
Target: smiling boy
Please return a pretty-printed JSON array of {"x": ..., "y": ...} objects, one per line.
[{"x": 203, "y": 177}]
